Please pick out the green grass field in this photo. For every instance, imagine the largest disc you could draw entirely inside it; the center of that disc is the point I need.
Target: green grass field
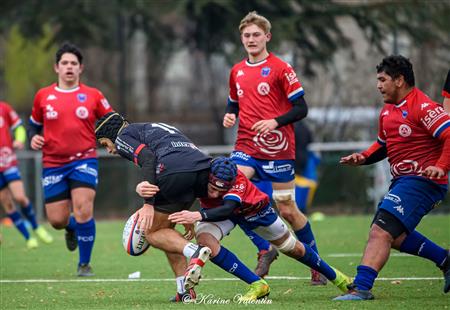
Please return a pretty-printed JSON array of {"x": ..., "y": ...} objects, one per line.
[{"x": 45, "y": 278}]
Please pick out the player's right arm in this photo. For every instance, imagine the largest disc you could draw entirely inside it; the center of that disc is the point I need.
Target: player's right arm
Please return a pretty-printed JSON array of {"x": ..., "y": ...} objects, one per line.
[
  {"x": 36, "y": 123},
  {"x": 232, "y": 109}
]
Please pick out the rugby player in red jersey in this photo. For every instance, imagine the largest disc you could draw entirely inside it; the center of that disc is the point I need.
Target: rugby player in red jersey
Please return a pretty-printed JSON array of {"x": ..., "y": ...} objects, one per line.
[
  {"x": 11, "y": 185},
  {"x": 414, "y": 135},
  {"x": 62, "y": 125},
  {"x": 267, "y": 97}
]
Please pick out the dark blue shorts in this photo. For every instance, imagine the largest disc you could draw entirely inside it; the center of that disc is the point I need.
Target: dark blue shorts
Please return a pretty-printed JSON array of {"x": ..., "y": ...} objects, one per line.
[
  {"x": 410, "y": 198},
  {"x": 265, "y": 217},
  {"x": 58, "y": 181},
  {"x": 9, "y": 175},
  {"x": 280, "y": 171}
]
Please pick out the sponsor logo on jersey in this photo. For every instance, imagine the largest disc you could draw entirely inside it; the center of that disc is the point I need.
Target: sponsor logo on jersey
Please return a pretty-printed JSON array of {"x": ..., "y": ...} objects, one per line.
[
  {"x": 240, "y": 92},
  {"x": 240, "y": 73},
  {"x": 51, "y": 97},
  {"x": 7, "y": 156},
  {"x": 271, "y": 143},
  {"x": 81, "y": 97},
  {"x": 291, "y": 77},
  {"x": 424, "y": 105},
  {"x": 263, "y": 88},
  {"x": 105, "y": 103},
  {"x": 265, "y": 71},
  {"x": 404, "y": 114},
  {"x": 385, "y": 113},
  {"x": 82, "y": 112},
  {"x": 51, "y": 113},
  {"x": 433, "y": 115},
  {"x": 183, "y": 144},
  {"x": 404, "y": 130}
]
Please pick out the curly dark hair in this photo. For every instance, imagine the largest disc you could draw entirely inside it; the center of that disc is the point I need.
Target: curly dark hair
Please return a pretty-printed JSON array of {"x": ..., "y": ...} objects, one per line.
[
  {"x": 396, "y": 65},
  {"x": 69, "y": 48}
]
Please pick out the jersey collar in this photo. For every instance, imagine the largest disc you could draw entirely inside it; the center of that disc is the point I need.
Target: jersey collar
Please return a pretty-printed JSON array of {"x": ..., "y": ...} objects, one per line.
[
  {"x": 404, "y": 100},
  {"x": 256, "y": 64},
  {"x": 66, "y": 90}
]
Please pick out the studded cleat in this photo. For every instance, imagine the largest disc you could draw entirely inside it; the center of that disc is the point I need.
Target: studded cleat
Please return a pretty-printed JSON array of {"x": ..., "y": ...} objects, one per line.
[
  {"x": 193, "y": 272},
  {"x": 265, "y": 259},
  {"x": 32, "y": 243},
  {"x": 85, "y": 270},
  {"x": 186, "y": 297},
  {"x": 341, "y": 281},
  {"x": 317, "y": 278},
  {"x": 43, "y": 234},
  {"x": 354, "y": 294},
  {"x": 257, "y": 290},
  {"x": 71, "y": 239}
]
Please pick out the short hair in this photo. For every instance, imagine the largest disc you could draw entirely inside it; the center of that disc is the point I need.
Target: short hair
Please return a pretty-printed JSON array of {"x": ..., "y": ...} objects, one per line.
[
  {"x": 69, "y": 48},
  {"x": 253, "y": 18},
  {"x": 396, "y": 65}
]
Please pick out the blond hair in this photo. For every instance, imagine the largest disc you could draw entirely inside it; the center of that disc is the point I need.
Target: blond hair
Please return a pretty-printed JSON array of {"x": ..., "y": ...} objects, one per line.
[{"x": 253, "y": 18}]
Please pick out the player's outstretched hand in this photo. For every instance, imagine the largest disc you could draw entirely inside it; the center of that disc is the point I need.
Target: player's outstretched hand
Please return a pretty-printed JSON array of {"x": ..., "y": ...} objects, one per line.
[
  {"x": 185, "y": 217},
  {"x": 146, "y": 190},
  {"x": 265, "y": 125},
  {"x": 18, "y": 145},
  {"x": 229, "y": 120},
  {"x": 433, "y": 172},
  {"x": 146, "y": 214},
  {"x": 354, "y": 159},
  {"x": 37, "y": 142}
]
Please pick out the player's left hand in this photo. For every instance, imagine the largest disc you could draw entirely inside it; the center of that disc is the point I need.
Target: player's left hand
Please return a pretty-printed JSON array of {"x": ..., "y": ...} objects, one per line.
[
  {"x": 185, "y": 217},
  {"x": 265, "y": 125},
  {"x": 189, "y": 231},
  {"x": 433, "y": 172},
  {"x": 18, "y": 145}
]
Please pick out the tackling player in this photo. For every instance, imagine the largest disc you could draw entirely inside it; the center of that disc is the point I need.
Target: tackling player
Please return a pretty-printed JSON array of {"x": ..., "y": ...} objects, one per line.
[
  {"x": 414, "y": 135},
  {"x": 11, "y": 185},
  {"x": 234, "y": 200},
  {"x": 266, "y": 95},
  {"x": 62, "y": 125}
]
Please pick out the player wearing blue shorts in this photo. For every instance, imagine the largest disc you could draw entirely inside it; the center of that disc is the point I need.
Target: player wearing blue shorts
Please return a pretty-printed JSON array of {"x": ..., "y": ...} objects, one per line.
[{"x": 414, "y": 134}]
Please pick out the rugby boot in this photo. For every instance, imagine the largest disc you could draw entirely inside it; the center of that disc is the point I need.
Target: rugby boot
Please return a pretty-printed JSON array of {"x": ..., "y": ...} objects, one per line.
[
  {"x": 265, "y": 259},
  {"x": 354, "y": 294},
  {"x": 317, "y": 278},
  {"x": 43, "y": 234},
  {"x": 257, "y": 290},
  {"x": 85, "y": 270},
  {"x": 341, "y": 281},
  {"x": 185, "y": 297},
  {"x": 71, "y": 239},
  {"x": 194, "y": 270},
  {"x": 32, "y": 243}
]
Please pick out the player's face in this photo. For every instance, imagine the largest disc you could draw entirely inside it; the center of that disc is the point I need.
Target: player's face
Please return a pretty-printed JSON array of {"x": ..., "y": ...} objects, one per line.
[
  {"x": 69, "y": 70},
  {"x": 107, "y": 143},
  {"x": 215, "y": 192},
  {"x": 387, "y": 87},
  {"x": 254, "y": 40}
]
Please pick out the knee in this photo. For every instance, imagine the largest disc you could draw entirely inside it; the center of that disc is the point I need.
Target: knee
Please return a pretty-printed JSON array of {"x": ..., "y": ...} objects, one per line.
[
  {"x": 58, "y": 222},
  {"x": 206, "y": 239},
  {"x": 377, "y": 233},
  {"x": 22, "y": 200},
  {"x": 83, "y": 209}
]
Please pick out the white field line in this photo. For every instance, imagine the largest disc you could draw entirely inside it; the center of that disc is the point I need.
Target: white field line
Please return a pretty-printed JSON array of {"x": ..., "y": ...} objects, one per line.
[
  {"x": 211, "y": 279},
  {"x": 360, "y": 254}
]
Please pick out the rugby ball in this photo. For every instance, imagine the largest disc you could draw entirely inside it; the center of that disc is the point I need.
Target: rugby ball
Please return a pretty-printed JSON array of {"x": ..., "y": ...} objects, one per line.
[{"x": 133, "y": 239}]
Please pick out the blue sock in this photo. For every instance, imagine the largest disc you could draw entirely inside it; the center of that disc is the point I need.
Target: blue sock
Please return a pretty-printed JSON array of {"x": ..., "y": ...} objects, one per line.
[
  {"x": 230, "y": 263},
  {"x": 86, "y": 238},
  {"x": 419, "y": 245},
  {"x": 365, "y": 277},
  {"x": 313, "y": 260},
  {"x": 72, "y": 223},
  {"x": 19, "y": 223},
  {"x": 29, "y": 214},
  {"x": 305, "y": 235},
  {"x": 259, "y": 242}
]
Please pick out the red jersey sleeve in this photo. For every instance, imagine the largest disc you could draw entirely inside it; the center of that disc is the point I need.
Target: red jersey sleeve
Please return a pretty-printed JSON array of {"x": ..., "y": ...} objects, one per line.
[
  {"x": 36, "y": 113},
  {"x": 13, "y": 118},
  {"x": 102, "y": 105},
  {"x": 290, "y": 83},
  {"x": 233, "y": 95},
  {"x": 433, "y": 117}
]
